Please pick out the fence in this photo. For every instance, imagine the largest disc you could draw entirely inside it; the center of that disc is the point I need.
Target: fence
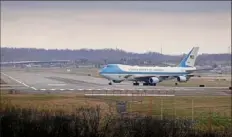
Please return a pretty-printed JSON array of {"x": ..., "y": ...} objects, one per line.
[
  {"x": 160, "y": 104},
  {"x": 165, "y": 104}
]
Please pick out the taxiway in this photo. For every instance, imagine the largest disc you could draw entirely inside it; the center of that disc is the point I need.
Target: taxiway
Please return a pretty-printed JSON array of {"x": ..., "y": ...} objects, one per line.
[{"x": 42, "y": 81}]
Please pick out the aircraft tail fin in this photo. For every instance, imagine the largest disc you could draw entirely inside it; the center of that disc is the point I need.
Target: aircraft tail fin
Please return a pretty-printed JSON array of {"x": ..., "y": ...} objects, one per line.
[{"x": 190, "y": 58}]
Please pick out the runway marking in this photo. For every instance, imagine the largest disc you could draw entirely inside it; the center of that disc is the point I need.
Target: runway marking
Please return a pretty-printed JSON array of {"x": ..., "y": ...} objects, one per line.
[
  {"x": 34, "y": 88},
  {"x": 18, "y": 81},
  {"x": 129, "y": 95},
  {"x": 56, "y": 84},
  {"x": 138, "y": 90},
  {"x": 25, "y": 85},
  {"x": 12, "y": 78}
]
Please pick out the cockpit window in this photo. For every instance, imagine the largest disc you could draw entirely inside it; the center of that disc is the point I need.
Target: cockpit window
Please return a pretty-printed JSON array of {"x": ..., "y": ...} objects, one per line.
[{"x": 109, "y": 66}]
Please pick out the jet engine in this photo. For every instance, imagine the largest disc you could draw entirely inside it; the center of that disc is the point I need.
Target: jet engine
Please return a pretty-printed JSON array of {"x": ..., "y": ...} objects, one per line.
[
  {"x": 153, "y": 80},
  {"x": 117, "y": 81},
  {"x": 182, "y": 79}
]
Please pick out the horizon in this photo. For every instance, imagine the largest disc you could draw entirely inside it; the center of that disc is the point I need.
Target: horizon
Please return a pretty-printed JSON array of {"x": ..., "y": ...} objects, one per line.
[
  {"x": 178, "y": 54},
  {"x": 133, "y": 26}
]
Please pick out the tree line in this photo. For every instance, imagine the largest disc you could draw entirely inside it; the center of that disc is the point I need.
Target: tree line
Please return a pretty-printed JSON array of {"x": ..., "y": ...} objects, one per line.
[{"x": 100, "y": 56}]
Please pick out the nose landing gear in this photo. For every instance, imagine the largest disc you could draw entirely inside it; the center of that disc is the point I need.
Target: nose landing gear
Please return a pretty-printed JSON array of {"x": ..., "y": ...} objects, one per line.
[{"x": 136, "y": 83}]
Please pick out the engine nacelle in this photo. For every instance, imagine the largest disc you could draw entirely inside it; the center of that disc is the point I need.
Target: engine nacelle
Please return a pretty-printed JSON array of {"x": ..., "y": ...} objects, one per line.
[
  {"x": 182, "y": 79},
  {"x": 153, "y": 80},
  {"x": 117, "y": 81}
]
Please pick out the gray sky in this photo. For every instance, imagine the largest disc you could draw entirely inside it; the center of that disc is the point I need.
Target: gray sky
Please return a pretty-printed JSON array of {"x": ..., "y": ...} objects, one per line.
[{"x": 177, "y": 26}]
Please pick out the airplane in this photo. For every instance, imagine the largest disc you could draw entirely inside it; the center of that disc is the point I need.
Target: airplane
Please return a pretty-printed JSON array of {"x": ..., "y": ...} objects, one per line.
[{"x": 150, "y": 76}]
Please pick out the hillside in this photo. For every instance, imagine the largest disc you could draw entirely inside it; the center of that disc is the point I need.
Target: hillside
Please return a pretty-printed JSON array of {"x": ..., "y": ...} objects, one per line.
[{"x": 101, "y": 56}]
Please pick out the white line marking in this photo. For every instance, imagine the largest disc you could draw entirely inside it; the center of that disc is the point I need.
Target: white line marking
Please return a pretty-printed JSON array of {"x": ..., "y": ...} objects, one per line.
[
  {"x": 25, "y": 85},
  {"x": 71, "y": 89},
  {"x": 56, "y": 84},
  {"x": 129, "y": 95},
  {"x": 34, "y": 88},
  {"x": 53, "y": 89},
  {"x": 18, "y": 81},
  {"x": 62, "y": 89},
  {"x": 42, "y": 89}
]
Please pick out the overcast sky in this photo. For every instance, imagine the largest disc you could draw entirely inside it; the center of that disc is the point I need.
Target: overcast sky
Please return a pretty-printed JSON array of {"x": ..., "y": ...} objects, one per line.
[{"x": 132, "y": 26}]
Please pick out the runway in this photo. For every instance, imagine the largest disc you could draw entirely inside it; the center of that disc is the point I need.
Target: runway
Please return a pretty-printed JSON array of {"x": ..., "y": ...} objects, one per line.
[{"x": 55, "y": 81}]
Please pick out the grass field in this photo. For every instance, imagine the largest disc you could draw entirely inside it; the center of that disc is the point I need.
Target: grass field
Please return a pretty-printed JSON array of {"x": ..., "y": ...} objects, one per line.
[
  {"x": 175, "y": 106},
  {"x": 63, "y": 102},
  {"x": 196, "y": 108},
  {"x": 211, "y": 113}
]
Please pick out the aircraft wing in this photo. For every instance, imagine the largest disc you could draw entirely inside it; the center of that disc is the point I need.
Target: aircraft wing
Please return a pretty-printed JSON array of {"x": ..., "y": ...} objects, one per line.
[
  {"x": 146, "y": 78},
  {"x": 202, "y": 69}
]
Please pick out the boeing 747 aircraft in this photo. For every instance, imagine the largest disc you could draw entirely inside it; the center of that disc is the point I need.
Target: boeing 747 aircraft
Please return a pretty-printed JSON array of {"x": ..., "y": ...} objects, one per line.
[{"x": 151, "y": 75}]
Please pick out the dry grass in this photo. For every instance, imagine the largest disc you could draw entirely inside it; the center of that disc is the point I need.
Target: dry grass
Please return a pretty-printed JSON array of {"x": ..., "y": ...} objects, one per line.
[
  {"x": 178, "y": 106},
  {"x": 182, "y": 106},
  {"x": 64, "y": 102}
]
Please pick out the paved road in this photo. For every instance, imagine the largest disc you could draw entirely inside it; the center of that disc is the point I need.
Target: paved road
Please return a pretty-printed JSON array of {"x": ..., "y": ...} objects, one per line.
[{"x": 54, "y": 81}]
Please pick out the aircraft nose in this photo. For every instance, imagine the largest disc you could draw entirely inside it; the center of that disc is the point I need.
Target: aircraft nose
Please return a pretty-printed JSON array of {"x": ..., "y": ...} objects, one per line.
[{"x": 100, "y": 71}]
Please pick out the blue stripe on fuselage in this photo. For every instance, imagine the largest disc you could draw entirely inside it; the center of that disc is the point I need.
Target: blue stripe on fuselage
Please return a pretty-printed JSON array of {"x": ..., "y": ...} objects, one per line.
[{"x": 129, "y": 72}]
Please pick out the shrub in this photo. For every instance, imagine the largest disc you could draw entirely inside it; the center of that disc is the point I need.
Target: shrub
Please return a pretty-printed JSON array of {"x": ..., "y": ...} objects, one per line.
[{"x": 87, "y": 122}]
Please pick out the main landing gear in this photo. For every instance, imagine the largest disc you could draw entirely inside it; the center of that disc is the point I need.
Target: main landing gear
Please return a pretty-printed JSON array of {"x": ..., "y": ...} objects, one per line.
[
  {"x": 153, "y": 84},
  {"x": 136, "y": 83},
  {"x": 148, "y": 84},
  {"x": 144, "y": 84}
]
